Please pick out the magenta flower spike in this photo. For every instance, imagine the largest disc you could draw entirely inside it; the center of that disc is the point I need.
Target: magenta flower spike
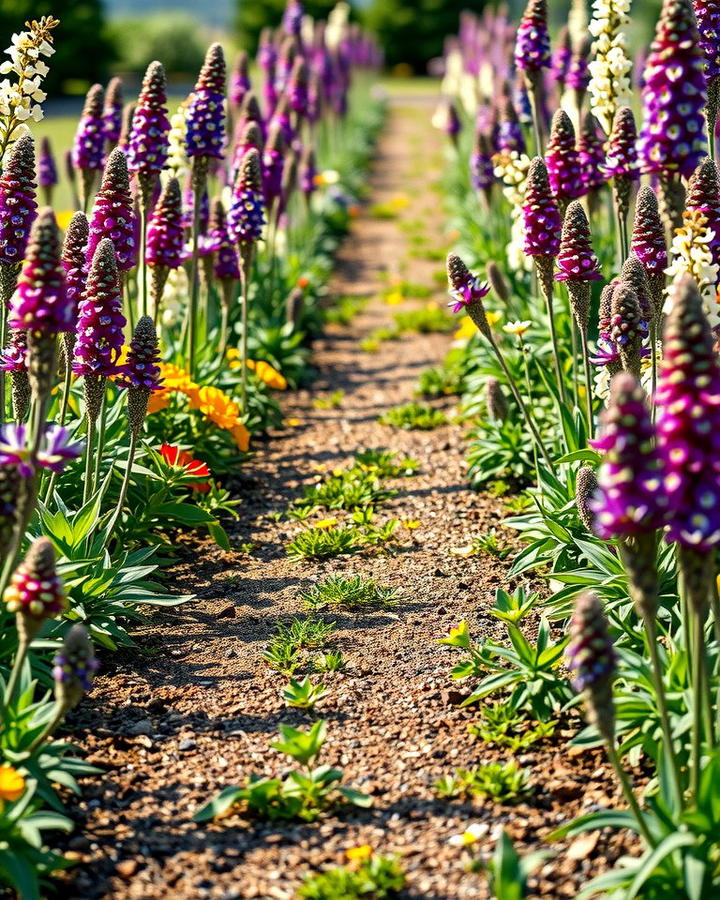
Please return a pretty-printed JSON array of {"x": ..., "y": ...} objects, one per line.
[
  {"x": 703, "y": 195},
  {"x": 621, "y": 158},
  {"x": 36, "y": 591},
  {"x": 141, "y": 371},
  {"x": 532, "y": 43},
  {"x": 482, "y": 171},
  {"x": 75, "y": 263},
  {"x": 13, "y": 358},
  {"x": 206, "y": 111},
  {"x": 561, "y": 56},
  {"x": 88, "y": 153},
  {"x": 576, "y": 258},
  {"x": 40, "y": 304},
  {"x": 112, "y": 215},
  {"x": 226, "y": 265},
  {"x": 148, "y": 147},
  {"x": 273, "y": 166},
  {"x": 307, "y": 173},
  {"x": 562, "y": 160},
  {"x": 297, "y": 87},
  {"x": 466, "y": 289},
  {"x": 509, "y": 133},
  {"x": 648, "y": 241},
  {"x": 630, "y": 499},
  {"x": 672, "y": 138},
  {"x": 239, "y": 80},
  {"x": 113, "y": 111},
  {"x": 292, "y": 18},
  {"x": 688, "y": 425},
  {"x": 591, "y": 153},
  {"x": 578, "y": 74},
  {"x": 166, "y": 238},
  {"x": 541, "y": 217},
  {"x": 100, "y": 322},
  {"x": 18, "y": 206},
  {"x": 246, "y": 216},
  {"x": 707, "y": 14},
  {"x": 47, "y": 170}
]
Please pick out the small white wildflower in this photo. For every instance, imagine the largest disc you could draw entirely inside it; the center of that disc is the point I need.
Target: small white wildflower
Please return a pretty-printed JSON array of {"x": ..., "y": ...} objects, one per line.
[
  {"x": 609, "y": 86},
  {"x": 690, "y": 252}
]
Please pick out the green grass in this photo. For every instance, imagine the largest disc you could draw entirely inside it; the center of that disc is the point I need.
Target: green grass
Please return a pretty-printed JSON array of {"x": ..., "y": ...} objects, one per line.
[
  {"x": 353, "y": 590},
  {"x": 324, "y": 543},
  {"x": 414, "y": 416}
]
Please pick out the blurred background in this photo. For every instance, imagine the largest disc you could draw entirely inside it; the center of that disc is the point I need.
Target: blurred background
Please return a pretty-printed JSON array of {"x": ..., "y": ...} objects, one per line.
[{"x": 98, "y": 38}]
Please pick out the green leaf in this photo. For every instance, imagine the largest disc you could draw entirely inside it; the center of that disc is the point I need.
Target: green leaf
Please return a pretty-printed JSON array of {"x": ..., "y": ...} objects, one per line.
[{"x": 219, "y": 804}]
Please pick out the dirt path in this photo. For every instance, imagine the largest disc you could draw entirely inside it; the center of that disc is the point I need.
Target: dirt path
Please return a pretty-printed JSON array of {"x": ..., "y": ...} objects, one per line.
[{"x": 196, "y": 708}]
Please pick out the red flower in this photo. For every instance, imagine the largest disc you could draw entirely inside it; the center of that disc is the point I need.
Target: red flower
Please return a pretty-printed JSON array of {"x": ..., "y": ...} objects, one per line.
[{"x": 174, "y": 456}]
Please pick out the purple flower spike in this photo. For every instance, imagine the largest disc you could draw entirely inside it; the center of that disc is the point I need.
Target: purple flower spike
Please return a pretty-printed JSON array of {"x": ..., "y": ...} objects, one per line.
[
  {"x": 74, "y": 668},
  {"x": 165, "y": 235},
  {"x": 297, "y": 87},
  {"x": 562, "y": 160},
  {"x": 561, "y": 57},
  {"x": 40, "y": 303},
  {"x": 578, "y": 74},
  {"x": 113, "y": 111},
  {"x": 239, "y": 80},
  {"x": 75, "y": 260},
  {"x": 112, "y": 214},
  {"x": 147, "y": 148},
  {"x": 56, "y": 449},
  {"x": 707, "y": 13},
  {"x": 246, "y": 217},
  {"x": 621, "y": 158},
  {"x": 17, "y": 201},
  {"x": 510, "y": 135},
  {"x": 703, "y": 195},
  {"x": 482, "y": 173},
  {"x": 273, "y": 166},
  {"x": 532, "y": 44},
  {"x": 672, "y": 139},
  {"x": 226, "y": 264},
  {"x": 292, "y": 18},
  {"x": 206, "y": 112},
  {"x": 688, "y": 404},
  {"x": 13, "y": 358},
  {"x": 591, "y": 153},
  {"x": 88, "y": 153},
  {"x": 307, "y": 172},
  {"x": 576, "y": 259},
  {"x": 465, "y": 288},
  {"x": 101, "y": 322},
  {"x": 141, "y": 371},
  {"x": 648, "y": 241},
  {"x": 541, "y": 217},
  {"x": 126, "y": 127},
  {"x": 47, "y": 170},
  {"x": 631, "y": 498}
]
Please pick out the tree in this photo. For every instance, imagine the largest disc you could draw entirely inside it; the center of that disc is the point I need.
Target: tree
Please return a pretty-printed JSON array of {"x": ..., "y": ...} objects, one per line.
[
  {"x": 83, "y": 50},
  {"x": 412, "y": 31},
  {"x": 254, "y": 15}
]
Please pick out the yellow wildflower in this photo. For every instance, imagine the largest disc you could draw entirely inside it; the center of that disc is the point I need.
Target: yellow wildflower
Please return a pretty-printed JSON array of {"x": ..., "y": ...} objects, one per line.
[
  {"x": 326, "y": 523},
  {"x": 269, "y": 375},
  {"x": 466, "y": 330},
  {"x": 394, "y": 298},
  {"x": 12, "y": 784},
  {"x": 64, "y": 218},
  {"x": 365, "y": 851}
]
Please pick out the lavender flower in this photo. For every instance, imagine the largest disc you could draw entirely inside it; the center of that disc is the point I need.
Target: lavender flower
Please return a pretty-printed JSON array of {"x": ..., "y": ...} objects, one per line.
[
  {"x": 467, "y": 291},
  {"x": 56, "y": 449},
  {"x": 591, "y": 154},
  {"x": 630, "y": 499},
  {"x": 273, "y": 166},
  {"x": 688, "y": 404},
  {"x": 74, "y": 668},
  {"x": 297, "y": 87},
  {"x": 621, "y": 159},
  {"x": 648, "y": 241},
  {"x": 246, "y": 217},
  {"x": 707, "y": 14},
  {"x": 292, "y": 18},
  {"x": 308, "y": 172},
  {"x": 482, "y": 173},
  {"x": 239, "y": 80},
  {"x": 75, "y": 261},
  {"x": 206, "y": 112},
  {"x": 510, "y": 136},
  {"x": 113, "y": 111},
  {"x": 226, "y": 263},
  {"x": 40, "y": 303},
  {"x": 576, "y": 259},
  {"x": 112, "y": 216},
  {"x": 147, "y": 148},
  {"x": 672, "y": 137},
  {"x": 165, "y": 238},
  {"x": 88, "y": 151},
  {"x": 562, "y": 161},
  {"x": 578, "y": 73},
  {"x": 17, "y": 201},
  {"x": 703, "y": 195},
  {"x": 47, "y": 170},
  {"x": 591, "y": 660},
  {"x": 561, "y": 56},
  {"x": 35, "y": 592},
  {"x": 532, "y": 44},
  {"x": 141, "y": 372},
  {"x": 541, "y": 216},
  {"x": 100, "y": 322}
]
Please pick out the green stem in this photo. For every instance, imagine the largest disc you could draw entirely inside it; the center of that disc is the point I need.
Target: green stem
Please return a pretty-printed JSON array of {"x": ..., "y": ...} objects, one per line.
[
  {"x": 142, "y": 275},
  {"x": 546, "y": 285},
  {"x": 198, "y": 188},
  {"x": 23, "y": 647},
  {"x": 123, "y": 489},
  {"x": 90, "y": 440},
  {"x": 521, "y": 403},
  {"x": 100, "y": 443},
  {"x": 697, "y": 690},
  {"x": 245, "y": 264},
  {"x": 628, "y": 791},
  {"x": 532, "y": 91},
  {"x": 588, "y": 385},
  {"x": 48, "y": 729}
]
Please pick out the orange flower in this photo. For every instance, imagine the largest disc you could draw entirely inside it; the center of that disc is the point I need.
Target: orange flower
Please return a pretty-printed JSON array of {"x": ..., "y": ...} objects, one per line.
[
  {"x": 174, "y": 380},
  {"x": 215, "y": 405},
  {"x": 241, "y": 436},
  {"x": 12, "y": 784},
  {"x": 264, "y": 371},
  {"x": 303, "y": 282}
]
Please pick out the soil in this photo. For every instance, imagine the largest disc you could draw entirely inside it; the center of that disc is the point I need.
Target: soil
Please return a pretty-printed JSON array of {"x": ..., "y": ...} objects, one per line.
[{"x": 195, "y": 707}]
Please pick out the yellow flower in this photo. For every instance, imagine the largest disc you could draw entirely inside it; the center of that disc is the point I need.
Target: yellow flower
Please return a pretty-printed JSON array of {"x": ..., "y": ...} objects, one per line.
[
  {"x": 266, "y": 373},
  {"x": 365, "y": 851},
  {"x": 326, "y": 523},
  {"x": 471, "y": 834},
  {"x": 64, "y": 218},
  {"x": 466, "y": 330},
  {"x": 292, "y": 422},
  {"x": 394, "y": 298},
  {"x": 411, "y": 524},
  {"x": 518, "y": 328},
  {"x": 12, "y": 784},
  {"x": 215, "y": 405}
]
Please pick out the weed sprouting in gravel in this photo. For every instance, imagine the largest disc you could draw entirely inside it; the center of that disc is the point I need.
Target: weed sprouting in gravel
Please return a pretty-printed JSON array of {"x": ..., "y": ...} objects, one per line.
[
  {"x": 324, "y": 543},
  {"x": 385, "y": 463},
  {"x": 376, "y": 877},
  {"x": 414, "y": 416},
  {"x": 352, "y": 590},
  {"x": 330, "y": 661},
  {"x": 303, "y": 694},
  {"x": 283, "y": 653},
  {"x": 504, "y": 727},
  {"x": 503, "y": 782},
  {"x": 347, "y": 490}
]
